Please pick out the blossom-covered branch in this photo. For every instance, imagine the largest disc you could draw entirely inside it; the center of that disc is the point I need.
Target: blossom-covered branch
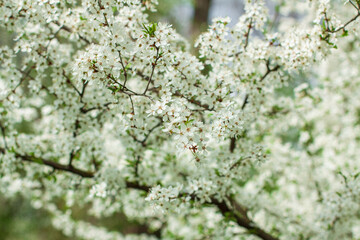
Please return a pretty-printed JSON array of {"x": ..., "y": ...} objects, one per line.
[{"x": 257, "y": 137}]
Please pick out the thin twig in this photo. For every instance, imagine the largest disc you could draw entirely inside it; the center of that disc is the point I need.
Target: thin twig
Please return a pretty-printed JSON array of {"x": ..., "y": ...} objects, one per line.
[
  {"x": 326, "y": 19},
  {"x": 124, "y": 69},
  {"x": 69, "y": 30},
  {"x": 71, "y": 84},
  {"x": 153, "y": 70},
  {"x": 132, "y": 105},
  {"x": 194, "y": 101},
  {"x": 269, "y": 70},
  {"x": 247, "y": 34}
]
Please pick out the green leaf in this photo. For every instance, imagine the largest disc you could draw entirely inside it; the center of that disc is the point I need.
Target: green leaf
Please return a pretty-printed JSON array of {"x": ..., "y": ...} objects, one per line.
[
  {"x": 189, "y": 121},
  {"x": 150, "y": 30},
  {"x": 132, "y": 163},
  {"x": 128, "y": 66},
  {"x": 277, "y": 8},
  {"x": 51, "y": 177},
  {"x": 323, "y": 26},
  {"x": 345, "y": 33}
]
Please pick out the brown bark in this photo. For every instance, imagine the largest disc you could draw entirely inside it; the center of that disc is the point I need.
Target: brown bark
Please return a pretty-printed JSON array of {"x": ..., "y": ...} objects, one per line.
[
  {"x": 201, "y": 16},
  {"x": 242, "y": 220}
]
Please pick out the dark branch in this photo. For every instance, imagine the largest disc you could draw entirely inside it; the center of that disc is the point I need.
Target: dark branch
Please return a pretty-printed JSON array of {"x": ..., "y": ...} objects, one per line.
[
  {"x": 232, "y": 144},
  {"x": 68, "y": 80},
  {"x": 152, "y": 70},
  {"x": 55, "y": 165},
  {"x": 123, "y": 67},
  {"x": 269, "y": 70},
  {"x": 69, "y": 30},
  {"x": 3, "y": 135},
  {"x": 247, "y": 34},
  {"x": 194, "y": 101},
  {"x": 73, "y": 170},
  {"x": 246, "y": 99},
  {"x": 86, "y": 110},
  {"x": 243, "y": 221},
  {"x": 241, "y": 218}
]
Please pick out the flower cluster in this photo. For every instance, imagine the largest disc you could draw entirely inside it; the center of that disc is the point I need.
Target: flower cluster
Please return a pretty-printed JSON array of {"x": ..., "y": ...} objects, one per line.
[{"x": 164, "y": 197}]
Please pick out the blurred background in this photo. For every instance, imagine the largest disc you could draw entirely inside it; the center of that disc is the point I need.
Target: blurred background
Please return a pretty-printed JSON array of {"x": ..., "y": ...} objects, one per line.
[
  {"x": 190, "y": 17},
  {"x": 18, "y": 220}
]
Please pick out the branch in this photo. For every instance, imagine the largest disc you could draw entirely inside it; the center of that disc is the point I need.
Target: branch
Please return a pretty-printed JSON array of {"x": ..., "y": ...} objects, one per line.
[
  {"x": 3, "y": 135},
  {"x": 232, "y": 144},
  {"x": 143, "y": 142},
  {"x": 346, "y": 24},
  {"x": 86, "y": 110},
  {"x": 125, "y": 90},
  {"x": 85, "y": 83},
  {"x": 123, "y": 67},
  {"x": 55, "y": 165},
  {"x": 69, "y": 30},
  {"x": 25, "y": 74},
  {"x": 73, "y": 170},
  {"x": 75, "y": 133},
  {"x": 269, "y": 70},
  {"x": 243, "y": 221},
  {"x": 332, "y": 30},
  {"x": 194, "y": 101},
  {"x": 71, "y": 84},
  {"x": 247, "y": 34},
  {"x": 246, "y": 100},
  {"x": 153, "y": 70}
]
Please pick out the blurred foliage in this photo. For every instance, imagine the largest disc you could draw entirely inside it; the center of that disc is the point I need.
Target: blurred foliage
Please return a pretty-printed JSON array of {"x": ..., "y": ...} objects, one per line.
[
  {"x": 166, "y": 6},
  {"x": 167, "y": 11},
  {"x": 19, "y": 221}
]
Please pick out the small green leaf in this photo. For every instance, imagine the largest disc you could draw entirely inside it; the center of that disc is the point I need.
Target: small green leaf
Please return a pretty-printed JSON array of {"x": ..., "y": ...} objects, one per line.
[
  {"x": 128, "y": 66},
  {"x": 277, "y": 8},
  {"x": 150, "y": 30},
  {"x": 345, "y": 33}
]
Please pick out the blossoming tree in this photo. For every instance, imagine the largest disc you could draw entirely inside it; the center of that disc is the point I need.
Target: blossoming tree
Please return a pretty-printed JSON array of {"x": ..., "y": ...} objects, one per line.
[{"x": 257, "y": 138}]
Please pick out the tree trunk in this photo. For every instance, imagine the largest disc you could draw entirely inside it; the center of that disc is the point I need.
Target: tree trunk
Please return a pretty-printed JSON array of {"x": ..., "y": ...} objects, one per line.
[{"x": 201, "y": 16}]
